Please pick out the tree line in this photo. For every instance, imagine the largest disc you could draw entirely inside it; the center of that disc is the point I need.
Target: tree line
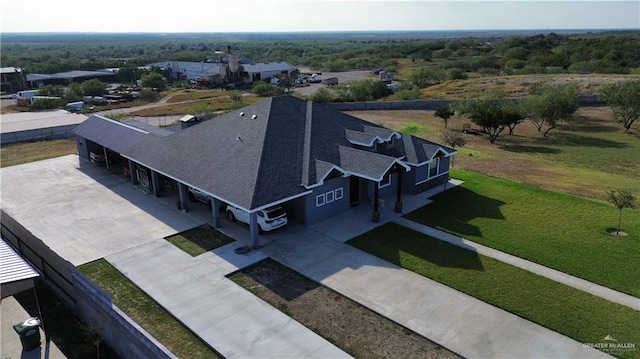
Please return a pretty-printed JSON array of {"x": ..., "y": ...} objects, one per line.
[{"x": 606, "y": 52}]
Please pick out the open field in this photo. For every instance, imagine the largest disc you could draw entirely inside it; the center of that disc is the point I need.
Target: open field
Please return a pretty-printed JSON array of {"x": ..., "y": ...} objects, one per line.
[
  {"x": 517, "y": 85},
  {"x": 572, "y": 312},
  {"x": 146, "y": 312},
  {"x": 586, "y": 157},
  {"x": 348, "y": 325}
]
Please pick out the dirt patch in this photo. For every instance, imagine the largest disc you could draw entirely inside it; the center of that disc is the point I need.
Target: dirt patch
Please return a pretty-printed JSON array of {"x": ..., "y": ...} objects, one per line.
[
  {"x": 353, "y": 328},
  {"x": 615, "y": 232}
]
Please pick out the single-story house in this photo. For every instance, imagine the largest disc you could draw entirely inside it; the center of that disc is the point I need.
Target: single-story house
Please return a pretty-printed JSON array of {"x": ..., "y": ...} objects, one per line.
[{"x": 311, "y": 159}]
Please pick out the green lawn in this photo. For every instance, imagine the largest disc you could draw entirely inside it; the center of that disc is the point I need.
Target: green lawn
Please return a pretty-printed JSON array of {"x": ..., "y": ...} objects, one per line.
[
  {"x": 561, "y": 231},
  {"x": 569, "y": 311},
  {"x": 199, "y": 240},
  {"x": 146, "y": 312}
]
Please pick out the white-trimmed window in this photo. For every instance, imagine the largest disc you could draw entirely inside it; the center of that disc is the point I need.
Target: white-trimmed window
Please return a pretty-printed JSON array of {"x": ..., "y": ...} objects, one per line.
[
  {"x": 386, "y": 181},
  {"x": 329, "y": 197},
  {"x": 338, "y": 193},
  {"x": 320, "y": 200},
  {"x": 433, "y": 167}
]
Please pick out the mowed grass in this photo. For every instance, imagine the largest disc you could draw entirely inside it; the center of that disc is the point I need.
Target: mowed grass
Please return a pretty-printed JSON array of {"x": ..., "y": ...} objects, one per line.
[
  {"x": 572, "y": 312},
  {"x": 564, "y": 232},
  {"x": 146, "y": 312},
  {"x": 19, "y": 153},
  {"x": 199, "y": 240}
]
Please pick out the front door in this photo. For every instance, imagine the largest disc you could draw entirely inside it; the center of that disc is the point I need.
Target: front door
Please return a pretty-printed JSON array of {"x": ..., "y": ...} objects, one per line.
[{"x": 354, "y": 191}]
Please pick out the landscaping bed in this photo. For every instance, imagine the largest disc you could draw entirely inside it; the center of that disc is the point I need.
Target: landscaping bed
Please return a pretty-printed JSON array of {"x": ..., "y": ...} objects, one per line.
[
  {"x": 199, "y": 240},
  {"x": 353, "y": 328}
]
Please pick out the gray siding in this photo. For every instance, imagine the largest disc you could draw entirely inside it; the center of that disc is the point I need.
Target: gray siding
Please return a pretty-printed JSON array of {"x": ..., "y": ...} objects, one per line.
[{"x": 315, "y": 213}]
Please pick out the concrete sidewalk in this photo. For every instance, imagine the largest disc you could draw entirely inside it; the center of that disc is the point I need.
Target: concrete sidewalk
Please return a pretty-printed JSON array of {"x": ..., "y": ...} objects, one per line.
[
  {"x": 226, "y": 316},
  {"x": 459, "y": 322},
  {"x": 564, "y": 278}
]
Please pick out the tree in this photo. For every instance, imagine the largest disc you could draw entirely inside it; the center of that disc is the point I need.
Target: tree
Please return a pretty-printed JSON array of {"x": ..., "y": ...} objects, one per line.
[
  {"x": 426, "y": 76},
  {"x": 621, "y": 198},
  {"x": 322, "y": 95},
  {"x": 444, "y": 112},
  {"x": 624, "y": 100},
  {"x": 154, "y": 80},
  {"x": 492, "y": 112},
  {"x": 94, "y": 87},
  {"x": 453, "y": 139},
  {"x": 51, "y": 90},
  {"x": 551, "y": 104},
  {"x": 73, "y": 92}
]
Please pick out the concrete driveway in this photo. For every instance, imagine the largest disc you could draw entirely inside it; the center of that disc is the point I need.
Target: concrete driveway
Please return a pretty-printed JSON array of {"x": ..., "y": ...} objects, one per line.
[{"x": 83, "y": 212}]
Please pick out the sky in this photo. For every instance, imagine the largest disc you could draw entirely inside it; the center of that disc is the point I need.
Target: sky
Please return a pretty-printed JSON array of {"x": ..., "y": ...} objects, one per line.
[{"x": 314, "y": 15}]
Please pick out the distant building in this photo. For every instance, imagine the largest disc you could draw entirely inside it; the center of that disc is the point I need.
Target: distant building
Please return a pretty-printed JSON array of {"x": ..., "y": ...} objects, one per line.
[
  {"x": 13, "y": 79},
  {"x": 66, "y": 78},
  {"x": 216, "y": 72}
]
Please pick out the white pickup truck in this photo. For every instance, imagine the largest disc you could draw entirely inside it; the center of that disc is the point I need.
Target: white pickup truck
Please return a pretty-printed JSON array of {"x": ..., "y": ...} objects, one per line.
[{"x": 268, "y": 219}]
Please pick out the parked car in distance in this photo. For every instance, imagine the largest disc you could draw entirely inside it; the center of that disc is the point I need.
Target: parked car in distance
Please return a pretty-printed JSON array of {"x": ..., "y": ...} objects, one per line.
[{"x": 268, "y": 218}]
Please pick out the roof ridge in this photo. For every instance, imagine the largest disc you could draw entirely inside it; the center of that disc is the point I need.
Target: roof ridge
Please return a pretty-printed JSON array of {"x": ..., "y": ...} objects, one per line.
[{"x": 306, "y": 154}]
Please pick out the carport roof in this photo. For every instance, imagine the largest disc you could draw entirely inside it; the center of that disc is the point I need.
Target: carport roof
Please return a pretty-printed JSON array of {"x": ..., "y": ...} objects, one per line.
[
  {"x": 106, "y": 132},
  {"x": 13, "y": 267}
]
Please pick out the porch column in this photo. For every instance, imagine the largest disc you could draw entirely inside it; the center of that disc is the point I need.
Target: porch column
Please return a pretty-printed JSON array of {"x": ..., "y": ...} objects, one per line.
[
  {"x": 215, "y": 205},
  {"x": 253, "y": 226},
  {"x": 398, "y": 207},
  {"x": 155, "y": 183},
  {"x": 375, "y": 216},
  {"x": 132, "y": 170},
  {"x": 182, "y": 190},
  {"x": 106, "y": 159}
]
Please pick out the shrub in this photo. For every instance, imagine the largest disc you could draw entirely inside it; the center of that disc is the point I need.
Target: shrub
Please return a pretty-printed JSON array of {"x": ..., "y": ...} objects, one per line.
[
  {"x": 457, "y": 74},
  {"x": 264, "y": 89}
]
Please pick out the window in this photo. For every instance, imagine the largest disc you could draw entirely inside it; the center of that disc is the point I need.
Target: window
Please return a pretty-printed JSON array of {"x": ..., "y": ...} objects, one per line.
[
  {"x": 338, "y": 193},
  {"x": 320, "y": 200},
  {"x": 386, "y": 180},
  {"x": 329, "y": 197},
  {"x": 433, "y": 167}
]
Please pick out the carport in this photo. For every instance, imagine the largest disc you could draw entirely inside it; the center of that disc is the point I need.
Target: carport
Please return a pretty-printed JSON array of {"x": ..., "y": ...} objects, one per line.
[{"x": 16, "y": 275}]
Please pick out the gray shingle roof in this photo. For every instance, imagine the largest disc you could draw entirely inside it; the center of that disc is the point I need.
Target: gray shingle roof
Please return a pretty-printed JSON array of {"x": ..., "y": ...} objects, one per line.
[
  {"x": 109, "y": 133},
  {"x": 276, "y": 149}
]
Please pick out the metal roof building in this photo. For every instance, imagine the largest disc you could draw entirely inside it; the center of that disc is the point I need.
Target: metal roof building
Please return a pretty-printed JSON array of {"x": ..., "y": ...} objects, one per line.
[{"x": 35, "y": 126}]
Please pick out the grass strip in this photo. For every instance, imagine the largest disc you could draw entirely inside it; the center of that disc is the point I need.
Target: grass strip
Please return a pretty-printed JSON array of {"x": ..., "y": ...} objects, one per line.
[
  {"x": 569, "y": 311},
  {"x": 561, "y": 231},
  {"x": 199, "y": 240},
  {"x": 146, "y": 312},
  {"x": 19, "y": 153}
]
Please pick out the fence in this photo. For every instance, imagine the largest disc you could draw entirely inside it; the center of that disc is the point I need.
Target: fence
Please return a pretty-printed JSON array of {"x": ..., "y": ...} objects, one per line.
[{"x": 93, "y": 305}]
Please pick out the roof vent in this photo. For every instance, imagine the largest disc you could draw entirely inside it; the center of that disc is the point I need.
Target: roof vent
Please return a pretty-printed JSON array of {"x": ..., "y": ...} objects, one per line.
[
  {"x": 254, "y": 117},
  {"x": 241, "y": 114}
]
